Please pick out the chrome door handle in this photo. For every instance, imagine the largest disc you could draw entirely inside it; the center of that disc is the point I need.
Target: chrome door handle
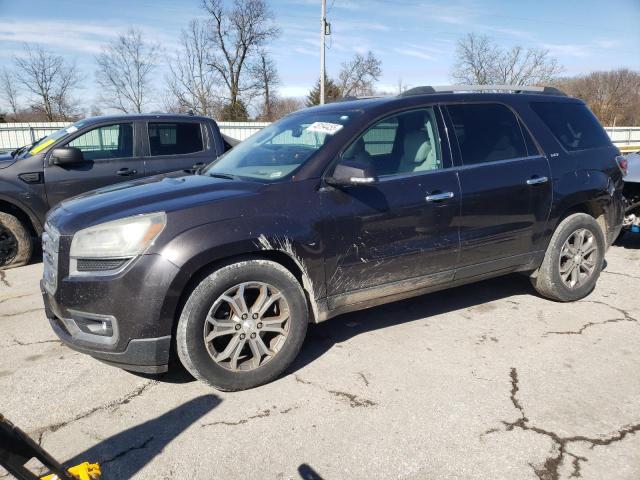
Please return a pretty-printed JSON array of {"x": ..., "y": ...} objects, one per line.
[
  {"x": 537, "y": 180},
  {"x": 436, "y": 197}
]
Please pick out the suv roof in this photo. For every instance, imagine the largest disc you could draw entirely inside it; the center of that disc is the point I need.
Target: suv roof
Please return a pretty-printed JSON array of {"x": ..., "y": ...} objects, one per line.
[{"x": 448, "y": 93}]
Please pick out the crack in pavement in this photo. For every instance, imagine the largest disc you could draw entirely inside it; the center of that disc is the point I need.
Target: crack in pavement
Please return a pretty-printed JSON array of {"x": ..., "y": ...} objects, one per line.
[
  {"x": 627, "y": 318},
  {"x": 263, "y": 414},
  {"x": 628, "y": 275},
  {"x": 354, "y": 400},
  {"x": 549, "y": 469},
  {"x": 16, "y": 297},
  {"x": 3, "y": 278},
  {"x": 21, "y": 313},
  {"x": 121, "y": 454},
  {"x": 20, "y": 343},
  {"x": 115, "y": 403}
]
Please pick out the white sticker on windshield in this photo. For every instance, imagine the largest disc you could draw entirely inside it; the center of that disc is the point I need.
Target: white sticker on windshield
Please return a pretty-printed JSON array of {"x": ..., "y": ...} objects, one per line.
[
  {"x": 324, "y": 127},
  {"x": 275, "y": 174},
  {"x": 72, "y": 129}
]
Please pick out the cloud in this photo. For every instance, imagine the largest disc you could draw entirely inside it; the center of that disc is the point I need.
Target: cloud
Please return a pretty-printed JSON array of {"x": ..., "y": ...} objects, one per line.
[
  {"x": 567, "y": 49},
  {"x": 79, "y": 37}
]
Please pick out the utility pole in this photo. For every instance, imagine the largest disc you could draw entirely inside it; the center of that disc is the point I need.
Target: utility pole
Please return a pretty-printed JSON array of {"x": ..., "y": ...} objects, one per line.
[{"x": 323, "y": 30}]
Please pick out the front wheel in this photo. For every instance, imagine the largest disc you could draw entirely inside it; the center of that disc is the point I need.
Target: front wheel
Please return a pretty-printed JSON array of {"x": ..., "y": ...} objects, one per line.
[
  {"x": 573, "y": 261},
  {"x": 243, "y": 325},
  {"x": 15, "y": 242}
]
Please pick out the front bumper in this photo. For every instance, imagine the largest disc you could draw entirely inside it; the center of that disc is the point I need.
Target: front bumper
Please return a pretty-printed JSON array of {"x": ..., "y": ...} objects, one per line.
[{"x": 136, "y": 307}]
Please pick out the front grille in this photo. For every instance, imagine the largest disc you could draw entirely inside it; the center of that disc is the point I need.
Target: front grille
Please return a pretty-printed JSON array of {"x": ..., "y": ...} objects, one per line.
[
  {"x": 99, "y": 265},
  {"x": 50, "y": 249}
]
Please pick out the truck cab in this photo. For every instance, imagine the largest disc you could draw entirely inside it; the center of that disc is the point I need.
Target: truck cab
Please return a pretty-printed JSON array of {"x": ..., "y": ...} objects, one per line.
[{"x": 94, "y": 153}]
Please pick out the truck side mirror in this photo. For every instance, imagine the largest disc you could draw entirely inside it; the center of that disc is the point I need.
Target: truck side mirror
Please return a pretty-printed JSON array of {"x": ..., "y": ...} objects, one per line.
[
  {"x": 351, "y": 172},
  {"x": 66, "y": 156}
]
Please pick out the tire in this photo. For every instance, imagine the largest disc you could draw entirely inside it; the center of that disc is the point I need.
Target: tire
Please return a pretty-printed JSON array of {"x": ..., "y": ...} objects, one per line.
[
  {"x": 16, "y": 245},
  {"x": 200, "y": 310},
  {"x": 548, "y": 279}
]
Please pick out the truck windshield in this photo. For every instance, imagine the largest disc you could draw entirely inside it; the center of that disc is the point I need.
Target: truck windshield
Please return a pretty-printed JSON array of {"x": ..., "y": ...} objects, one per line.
[
  {"x": 45, "y": 142},
  {"x": 277, "y": 150}
]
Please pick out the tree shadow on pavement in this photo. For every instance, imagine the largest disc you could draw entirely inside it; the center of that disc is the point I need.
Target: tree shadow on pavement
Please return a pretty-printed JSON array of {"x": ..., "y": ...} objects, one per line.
[
  {"x": 321, "y": 337},
  {"x": 122, "y": 455}
]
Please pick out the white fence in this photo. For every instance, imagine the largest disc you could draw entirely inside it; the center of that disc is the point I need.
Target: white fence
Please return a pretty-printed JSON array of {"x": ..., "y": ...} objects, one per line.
[{"x": 14, "y": 135}]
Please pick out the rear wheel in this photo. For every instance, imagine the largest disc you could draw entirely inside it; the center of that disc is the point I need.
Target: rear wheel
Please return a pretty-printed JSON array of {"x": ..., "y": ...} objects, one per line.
[
  {"x": 243, "y": 325},
  {"x": 573, "y": 261},
  {"x": 15, "y": 242}
]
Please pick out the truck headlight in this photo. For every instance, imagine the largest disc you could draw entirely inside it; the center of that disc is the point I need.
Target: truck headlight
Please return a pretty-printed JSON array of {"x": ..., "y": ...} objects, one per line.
[{"x": 124, "y": 238}]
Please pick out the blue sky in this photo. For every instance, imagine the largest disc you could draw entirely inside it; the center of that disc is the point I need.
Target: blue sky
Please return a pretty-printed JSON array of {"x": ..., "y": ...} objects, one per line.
[{"x": 414, "y": 39}]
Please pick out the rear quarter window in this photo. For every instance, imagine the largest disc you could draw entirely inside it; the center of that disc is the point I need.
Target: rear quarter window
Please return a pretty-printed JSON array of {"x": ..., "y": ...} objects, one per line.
[{"x": 573, "y": 125}]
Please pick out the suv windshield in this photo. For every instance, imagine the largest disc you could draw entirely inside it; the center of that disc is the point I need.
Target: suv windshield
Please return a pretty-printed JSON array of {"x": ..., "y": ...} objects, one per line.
[
  {"x": 45, "y": 142},
  {"x": 277, "y": 150}
]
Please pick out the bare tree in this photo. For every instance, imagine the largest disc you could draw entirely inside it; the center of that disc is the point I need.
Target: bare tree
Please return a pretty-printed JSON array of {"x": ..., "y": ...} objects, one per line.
[
  {"x": 481, "y": 61},
  {"x": 9, "y": 91},
  {"x": 192, "y": 83},
  {"x": 284, "y": 106},
  {"x": 125, "y": 69},
  {"x": 613, "y": 96},
  {"x": 50, "y": 80},
  {"x": 357, "y": 76},
  {"x": 237, "y": 33},
  {"x": 266, "y": 76}
]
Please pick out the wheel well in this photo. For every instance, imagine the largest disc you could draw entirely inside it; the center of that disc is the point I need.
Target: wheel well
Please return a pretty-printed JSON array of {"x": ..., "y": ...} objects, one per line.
[
  {"x": 592, "y": 208},
  {"x": 20, "y": 214},
  {"x": 204, "y": 271}
]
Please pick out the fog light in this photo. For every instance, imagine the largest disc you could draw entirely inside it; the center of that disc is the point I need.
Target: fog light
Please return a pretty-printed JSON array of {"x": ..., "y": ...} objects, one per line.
[{"x": 102, "y": 327}]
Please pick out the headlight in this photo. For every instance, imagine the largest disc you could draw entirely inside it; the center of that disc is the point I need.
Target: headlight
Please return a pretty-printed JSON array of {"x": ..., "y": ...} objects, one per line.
[{"x": 122, "y": 238}]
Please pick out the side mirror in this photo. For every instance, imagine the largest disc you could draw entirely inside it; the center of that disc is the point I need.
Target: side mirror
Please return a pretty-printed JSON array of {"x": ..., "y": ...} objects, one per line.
[
  {"x": 66, "y": 156},
  {"x": 352, "y": 173}
]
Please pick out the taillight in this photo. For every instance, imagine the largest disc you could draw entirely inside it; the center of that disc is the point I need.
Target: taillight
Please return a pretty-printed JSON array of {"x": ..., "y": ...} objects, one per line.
[{"x": 623, "y": 164}]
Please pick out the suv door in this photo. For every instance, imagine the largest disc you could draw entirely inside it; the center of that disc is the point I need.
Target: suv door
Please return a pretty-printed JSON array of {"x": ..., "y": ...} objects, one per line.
[
  {"x": 176, "y": 145},
  {"x": 403, "y": 226},
  {"x": 110, "y": 156},
  {"x": 506, "y": 188}
]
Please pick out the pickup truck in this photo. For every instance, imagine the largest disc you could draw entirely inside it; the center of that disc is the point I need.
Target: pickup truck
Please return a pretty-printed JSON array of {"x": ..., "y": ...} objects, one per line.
[{"x": 93, "y": 153}]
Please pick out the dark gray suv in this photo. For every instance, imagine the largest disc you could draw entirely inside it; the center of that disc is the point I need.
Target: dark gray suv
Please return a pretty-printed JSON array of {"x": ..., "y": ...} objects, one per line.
[{"x": 329, "y": 210}]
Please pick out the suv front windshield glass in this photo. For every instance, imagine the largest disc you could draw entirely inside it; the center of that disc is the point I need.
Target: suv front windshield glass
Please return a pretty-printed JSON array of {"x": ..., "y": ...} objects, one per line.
[
  {"x": 277, "y": 150},
  {"x": 45, "y": 142}
]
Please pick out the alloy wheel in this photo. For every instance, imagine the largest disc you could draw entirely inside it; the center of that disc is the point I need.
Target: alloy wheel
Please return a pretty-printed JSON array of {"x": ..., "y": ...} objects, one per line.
[
  {"x": 578, "y": 258},
  {"x": 247, "y": 326}
]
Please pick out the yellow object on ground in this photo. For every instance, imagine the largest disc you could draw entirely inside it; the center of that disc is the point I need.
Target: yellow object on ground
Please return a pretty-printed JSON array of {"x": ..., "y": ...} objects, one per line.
[{"x": 84, "y": 471}]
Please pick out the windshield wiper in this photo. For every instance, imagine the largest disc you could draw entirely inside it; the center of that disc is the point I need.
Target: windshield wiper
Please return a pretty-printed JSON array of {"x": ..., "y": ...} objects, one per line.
[{"x": 227, "y": 176}]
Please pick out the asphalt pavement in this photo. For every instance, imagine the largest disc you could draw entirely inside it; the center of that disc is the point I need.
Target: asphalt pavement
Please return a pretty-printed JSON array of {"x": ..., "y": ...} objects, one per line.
[{"x": 483, "y": 381}]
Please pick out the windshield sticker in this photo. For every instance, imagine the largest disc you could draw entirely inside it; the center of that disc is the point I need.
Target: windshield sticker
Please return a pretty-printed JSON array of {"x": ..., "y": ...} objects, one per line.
[
  {"x": 72, "y": 129},
  {"x": 275, "y": 174},
  {"x": 42, "y": 146},
  {"x": 324, "y": 127}
]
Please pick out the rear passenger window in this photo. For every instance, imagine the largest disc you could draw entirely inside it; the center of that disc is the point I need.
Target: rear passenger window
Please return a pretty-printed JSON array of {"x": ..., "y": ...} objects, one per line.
[
  {"x": 174, "y": 138},
  {"x": 486, "y": 133},
  {"x": 573, "y": 125}
]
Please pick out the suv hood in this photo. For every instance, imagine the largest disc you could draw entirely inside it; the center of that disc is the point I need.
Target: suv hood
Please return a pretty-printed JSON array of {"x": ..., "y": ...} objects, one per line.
[
  {"x": 168, "y": 193},
  {"x": 6, "y": 160}
]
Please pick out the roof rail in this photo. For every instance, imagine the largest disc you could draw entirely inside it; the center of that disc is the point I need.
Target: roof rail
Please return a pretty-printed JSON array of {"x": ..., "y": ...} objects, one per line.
[{"x": 428, "y": 89}]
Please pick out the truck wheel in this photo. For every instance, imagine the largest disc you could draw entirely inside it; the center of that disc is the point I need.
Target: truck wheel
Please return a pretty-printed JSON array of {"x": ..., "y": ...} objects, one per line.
[
  {"x": 573, "y": 260},
  {"x": 243, "y": 325},
  {"x": 15, "y": 242}
]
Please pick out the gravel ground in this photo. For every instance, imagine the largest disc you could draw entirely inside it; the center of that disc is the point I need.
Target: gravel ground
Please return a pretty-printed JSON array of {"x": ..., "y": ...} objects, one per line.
[{"x": 482, "y": 381}]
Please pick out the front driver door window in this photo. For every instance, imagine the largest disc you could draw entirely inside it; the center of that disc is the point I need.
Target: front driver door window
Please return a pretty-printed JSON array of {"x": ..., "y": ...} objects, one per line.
[
  {"x": 389, "y": 231},
  {"x": 107, "y": 142},
  {"x": 109, "y": 155}
]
